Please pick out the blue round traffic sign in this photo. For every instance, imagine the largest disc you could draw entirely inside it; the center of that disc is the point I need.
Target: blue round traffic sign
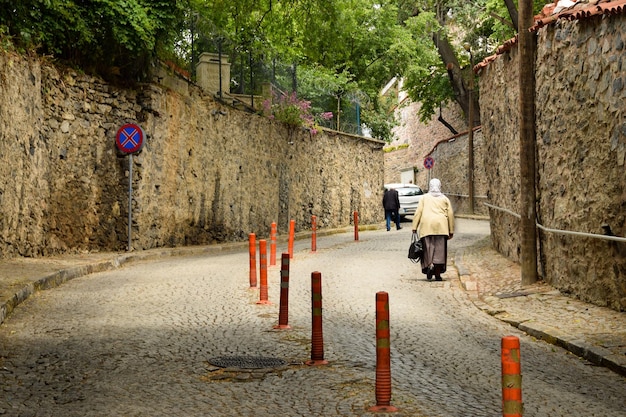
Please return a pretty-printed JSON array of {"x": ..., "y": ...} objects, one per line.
[
  {"x": 129, "y": 138},
  {"x": 429, "y": 162}
]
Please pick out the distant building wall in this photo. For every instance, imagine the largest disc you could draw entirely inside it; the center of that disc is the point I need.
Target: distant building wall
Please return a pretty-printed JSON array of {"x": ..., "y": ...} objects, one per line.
[{"x": 415, "y": 141}]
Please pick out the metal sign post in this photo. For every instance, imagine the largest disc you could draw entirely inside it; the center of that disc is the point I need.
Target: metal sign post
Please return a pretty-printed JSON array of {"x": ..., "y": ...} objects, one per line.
[
  {"x": 130, "y": 200},
  {"x": 129, "y": 140},
  {"x": 429, "y": 163}
]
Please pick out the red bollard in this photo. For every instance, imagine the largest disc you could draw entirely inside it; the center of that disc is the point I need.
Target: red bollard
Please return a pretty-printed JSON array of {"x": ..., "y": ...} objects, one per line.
[
  {"x": 273, "y": 244},
  {"x": 292, "y": 232},
  {"x": 252, "y": 250},
  {"x": 356, "y": 225},
  {"x": 283, "y": 311},
  {"x": 383, "y": 355},
  {"x": 512, "y": 405},
  {"x": 314, "y": 233},
  {"x": 263, "y": 274},
  {"x": 317, "y": 336}
]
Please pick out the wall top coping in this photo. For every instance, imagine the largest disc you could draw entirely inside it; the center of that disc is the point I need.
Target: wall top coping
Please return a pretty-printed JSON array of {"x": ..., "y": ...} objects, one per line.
[
  {"x": 561, "y": 10},
  {"x": 452, "y": 138},
  {"x": 377, "y": 142},
  {"x": 213, "y": 58}
]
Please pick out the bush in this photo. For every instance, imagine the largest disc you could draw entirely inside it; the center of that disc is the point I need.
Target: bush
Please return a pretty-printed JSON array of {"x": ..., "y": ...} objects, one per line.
[{"x": 291, "y": 110}]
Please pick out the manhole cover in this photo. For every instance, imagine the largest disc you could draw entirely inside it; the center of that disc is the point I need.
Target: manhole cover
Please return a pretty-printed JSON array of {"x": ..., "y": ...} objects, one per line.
[{"x": 246, "y": 362}]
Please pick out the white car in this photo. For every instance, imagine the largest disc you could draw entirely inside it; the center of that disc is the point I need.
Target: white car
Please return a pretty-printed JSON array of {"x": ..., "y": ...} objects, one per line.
[{"x": 409, "y": 196}]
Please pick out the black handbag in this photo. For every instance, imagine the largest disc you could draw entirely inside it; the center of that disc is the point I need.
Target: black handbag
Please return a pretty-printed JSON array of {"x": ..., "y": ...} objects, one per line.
[{"x": 415, "y": 250}]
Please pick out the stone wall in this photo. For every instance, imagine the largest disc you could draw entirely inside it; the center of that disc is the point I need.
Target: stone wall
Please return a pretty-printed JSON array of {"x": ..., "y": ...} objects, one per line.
[
  {"x": 499, "y": 103},
  {"x": 581, "y": 147},
  {"x": 207, "y": 172},
  {"x": 451, "y": 167}
]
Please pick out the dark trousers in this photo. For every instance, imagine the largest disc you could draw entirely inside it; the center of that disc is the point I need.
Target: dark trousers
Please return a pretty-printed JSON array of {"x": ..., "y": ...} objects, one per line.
[{"x": 395, "y": 214}]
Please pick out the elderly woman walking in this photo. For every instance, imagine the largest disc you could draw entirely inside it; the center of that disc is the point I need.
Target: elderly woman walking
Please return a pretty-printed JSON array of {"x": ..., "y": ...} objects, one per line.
[{"x": 435, "y": 219}]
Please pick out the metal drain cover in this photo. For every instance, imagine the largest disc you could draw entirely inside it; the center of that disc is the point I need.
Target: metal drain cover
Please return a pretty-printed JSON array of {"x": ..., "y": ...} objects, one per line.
[{"x": 247, "y": 362}]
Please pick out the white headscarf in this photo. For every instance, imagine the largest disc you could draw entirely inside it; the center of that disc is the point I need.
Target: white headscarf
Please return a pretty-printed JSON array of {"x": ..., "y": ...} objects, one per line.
[{"x": 434, "y": 188}]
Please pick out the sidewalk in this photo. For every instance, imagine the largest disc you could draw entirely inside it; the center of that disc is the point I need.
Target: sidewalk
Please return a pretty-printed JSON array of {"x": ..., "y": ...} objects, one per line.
[
  {"x": 22, "y": 277},
  {"x": 493, "y": 284},
  {"x": 491, "y": 281}
]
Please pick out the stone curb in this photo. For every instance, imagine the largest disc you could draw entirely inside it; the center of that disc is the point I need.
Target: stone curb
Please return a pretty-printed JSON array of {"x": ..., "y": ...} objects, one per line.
[
  {"x": 595, "y": 354},
  {"x": 50, "y": 281}
]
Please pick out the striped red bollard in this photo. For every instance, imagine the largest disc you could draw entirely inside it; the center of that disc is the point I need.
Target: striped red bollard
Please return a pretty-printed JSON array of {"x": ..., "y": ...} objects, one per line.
[
  {"x": 252, "y": 250},
  {"x": 317, "y": 335},
  {"x": 283, "y": 311},
  {"x": 356, "y": 225},
  {"x": 273, "y": 244},
  {"x": 313, "y": 233},
  {"x": 383, "y": 355},
  {"x": 512, "y": 405},
  {"x": 263, "y": 272},
  {"x": 292, "y": 232}
]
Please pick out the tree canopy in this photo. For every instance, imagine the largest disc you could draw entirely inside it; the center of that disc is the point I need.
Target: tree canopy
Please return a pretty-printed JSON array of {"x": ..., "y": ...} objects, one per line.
[
  {"x": 337, "y": 54},
  {"x": 107, "y": 36}
]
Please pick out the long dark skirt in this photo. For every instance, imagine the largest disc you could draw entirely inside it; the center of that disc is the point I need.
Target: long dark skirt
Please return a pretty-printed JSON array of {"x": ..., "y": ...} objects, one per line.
[{"x": 435, "y": 252}]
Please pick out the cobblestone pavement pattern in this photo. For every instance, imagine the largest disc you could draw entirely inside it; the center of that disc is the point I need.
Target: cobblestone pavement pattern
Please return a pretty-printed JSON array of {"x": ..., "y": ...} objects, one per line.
[{"x": 138, "y": 340}]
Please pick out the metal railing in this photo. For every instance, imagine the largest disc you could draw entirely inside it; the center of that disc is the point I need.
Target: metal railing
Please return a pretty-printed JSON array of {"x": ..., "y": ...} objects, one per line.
[{"x": 465, "y": 195}]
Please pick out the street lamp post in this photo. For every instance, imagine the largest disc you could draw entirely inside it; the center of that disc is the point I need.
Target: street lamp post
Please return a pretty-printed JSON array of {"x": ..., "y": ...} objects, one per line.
[{"x": 470, "y": 135}]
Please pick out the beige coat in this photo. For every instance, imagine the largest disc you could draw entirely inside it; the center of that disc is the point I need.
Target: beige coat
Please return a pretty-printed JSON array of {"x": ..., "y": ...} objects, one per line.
[{"x": 434, "y": 216}]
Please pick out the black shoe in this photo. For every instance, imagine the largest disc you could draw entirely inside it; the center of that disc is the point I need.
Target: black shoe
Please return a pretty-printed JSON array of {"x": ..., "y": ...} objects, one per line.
[
  {"x": 398, "y": 228},
  {"x": 430, "y": 272},
  {"x": 438, "y": 278}
]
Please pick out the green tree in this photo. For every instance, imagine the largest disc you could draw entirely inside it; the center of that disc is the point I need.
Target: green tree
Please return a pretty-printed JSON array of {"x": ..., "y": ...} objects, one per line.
[
  {"x": 336, "y": 51},
  {"x": 114, "y": 37},
  {"x": 448, "y": 25},
  {"x": 340, "y": 49}
]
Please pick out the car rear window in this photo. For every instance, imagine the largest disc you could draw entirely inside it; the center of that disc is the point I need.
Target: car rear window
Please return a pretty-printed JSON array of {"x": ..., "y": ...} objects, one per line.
[{"x": 409, "y": 191}]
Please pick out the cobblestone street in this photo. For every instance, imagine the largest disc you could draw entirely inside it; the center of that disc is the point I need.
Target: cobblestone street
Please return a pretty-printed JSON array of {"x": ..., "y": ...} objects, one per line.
[{"x": 138, "y": 341}]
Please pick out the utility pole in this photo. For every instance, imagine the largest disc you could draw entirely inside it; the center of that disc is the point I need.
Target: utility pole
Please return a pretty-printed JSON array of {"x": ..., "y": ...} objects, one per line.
[
  {"x": 470, "y": 135},
  {"x": 527, "y": 47}
]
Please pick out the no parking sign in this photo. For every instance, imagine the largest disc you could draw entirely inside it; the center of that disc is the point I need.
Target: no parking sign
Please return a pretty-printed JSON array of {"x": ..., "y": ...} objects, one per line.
[
  {"x": 129, "y": 138},
  {"x": 429, "y": 162}
]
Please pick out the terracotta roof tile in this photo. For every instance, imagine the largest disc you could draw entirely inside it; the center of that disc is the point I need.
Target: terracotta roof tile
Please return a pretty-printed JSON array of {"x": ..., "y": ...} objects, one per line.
[
  {"x": 613, "y": 7},
  {"x": 580, "y": 10}
]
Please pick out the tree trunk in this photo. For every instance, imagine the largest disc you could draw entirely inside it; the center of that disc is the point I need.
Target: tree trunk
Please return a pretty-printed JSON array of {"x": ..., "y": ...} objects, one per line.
[
  {"x": 527, "y": 47},
  {"x": 459, "y": 85},
  {"x": 510, "y": 5},
  {"x": 449, "y": 59}
]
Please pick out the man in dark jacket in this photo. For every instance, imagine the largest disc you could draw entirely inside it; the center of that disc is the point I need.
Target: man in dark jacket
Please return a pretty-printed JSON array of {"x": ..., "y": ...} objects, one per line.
[{"x": 391, "y": 203}]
